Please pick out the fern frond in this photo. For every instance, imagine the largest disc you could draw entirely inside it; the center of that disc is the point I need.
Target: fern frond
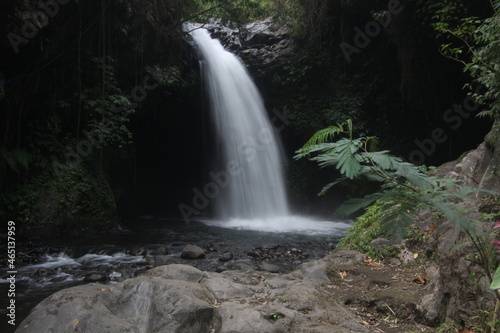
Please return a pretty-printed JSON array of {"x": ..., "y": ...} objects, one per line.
[
  {"x": 330, "y": 185},
  {"x": 383, "y": 159},
  {"x": 349, "y": 128},
  {"x": 372, "y": 143},
  {"x": 451, "y": 212},
  {"x": 348, "y": 163},
  {"x": 353, "y": 205},
  {"x": 322, "y": 136},
  {"x": 321, "y": 147}
]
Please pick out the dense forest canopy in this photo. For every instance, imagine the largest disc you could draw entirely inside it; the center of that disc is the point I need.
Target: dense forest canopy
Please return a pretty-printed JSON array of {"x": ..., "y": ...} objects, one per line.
[{"x": 101, "y": 108}]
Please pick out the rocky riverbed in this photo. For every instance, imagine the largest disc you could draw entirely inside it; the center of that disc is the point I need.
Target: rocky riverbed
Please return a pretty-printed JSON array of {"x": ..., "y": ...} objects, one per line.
[{"x": 343, "y": 292}]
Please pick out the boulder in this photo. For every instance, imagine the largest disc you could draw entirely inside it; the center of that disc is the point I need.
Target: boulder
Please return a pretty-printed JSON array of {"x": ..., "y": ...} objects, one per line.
[
  {"x": 192, "y": 252},
  {"x": 226, "y": 256},
  {"x": 44, "y": 272},
  {"x": 180, "y": 298},
  {"x": 96, "y": 277}
]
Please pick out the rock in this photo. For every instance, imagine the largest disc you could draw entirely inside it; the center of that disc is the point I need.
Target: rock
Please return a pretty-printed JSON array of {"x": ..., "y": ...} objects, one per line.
[
  {"x": 115, "y": 276},
  {"x": 95, "y": 277},
  {"x": 224, "y": 288},
  {"x": 241, "y": 266},
  {"x": 314, "y": 271},
  {"x": 270, "y": 246},
  {"x": 44, "y": 272},
  {"x": 220, "y": 269},
  {"x": 260, "y": 43},
  {"x": 379, "y": 243},
  {"x": 226, "y": 256},
  {"x": 176, "y": 272},
  {"x": 139, "y": 305},
  {"x": 254, "y": 253},
  {"x": 164, "y": 260},
  {"x": 160, "y": 251},
  {"x": 267, "y": 267},
  {"x": 394, "y": 262},
  {"x": 192, "y": 252},
  {"x": 181, "y": 298},
  {"x": 431, "y": 304},
  {"x": 406, "y": 256},
  {"x": 145, "y": 261}
]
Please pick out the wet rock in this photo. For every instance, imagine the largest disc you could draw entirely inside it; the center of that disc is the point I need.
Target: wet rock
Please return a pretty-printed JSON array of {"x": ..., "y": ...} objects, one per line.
[
  {"x": 270, "y": 246},
  {"x": 267, "y": 267},
  {"x": 145, "y": 261},
  {"x": 115, "y": 276},
  {"x": 226, "y": 256},
  {"x": 44, "y": 272},
  {"x": 138, "y": 252},
  {"x": 192, "y": 252},
  {"x": 95, "y": 277},
  {"x": 254, "y": 253},
  {"x": 160, "y": 251}
]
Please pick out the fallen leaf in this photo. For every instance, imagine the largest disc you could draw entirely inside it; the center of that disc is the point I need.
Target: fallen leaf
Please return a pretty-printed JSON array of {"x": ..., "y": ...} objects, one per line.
[
  {"x": 465, "y": 330},
  {"x": 419, "y": 279},
  {"x": 76, "y": 321},
  {"x": 103, "y": 289},
  {"x": 369, "y": 262},
  {"x": 432, "y": 228}
]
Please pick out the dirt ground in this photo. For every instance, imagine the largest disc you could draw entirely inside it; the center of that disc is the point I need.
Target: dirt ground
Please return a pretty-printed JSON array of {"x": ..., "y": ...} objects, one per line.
[{"x": 385, "y": 297}]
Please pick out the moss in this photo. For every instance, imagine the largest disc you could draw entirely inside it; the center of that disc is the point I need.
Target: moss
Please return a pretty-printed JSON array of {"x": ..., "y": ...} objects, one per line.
[
  {"x": 365, "y": 229},
  {"x": 76, "y": 200}
]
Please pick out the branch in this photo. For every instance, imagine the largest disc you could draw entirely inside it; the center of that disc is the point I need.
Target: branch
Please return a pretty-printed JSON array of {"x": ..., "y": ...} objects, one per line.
[
  {"x": 471, "y": 50},
  {"x": 194, "y": 16}
]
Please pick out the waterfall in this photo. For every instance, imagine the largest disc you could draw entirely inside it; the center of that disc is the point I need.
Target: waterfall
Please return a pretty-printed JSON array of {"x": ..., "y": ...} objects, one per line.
[{"x": 249, "y": 166}]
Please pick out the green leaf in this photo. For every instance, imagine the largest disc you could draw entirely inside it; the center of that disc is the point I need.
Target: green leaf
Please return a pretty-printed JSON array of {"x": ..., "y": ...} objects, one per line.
[
  {"x": 322, "y": 136},
  {"x": 353, "y": 205},
  {"x": 348, "y": 164},
  {"x": 450, "y": 211},
  {"x": 495, "y": 284}
]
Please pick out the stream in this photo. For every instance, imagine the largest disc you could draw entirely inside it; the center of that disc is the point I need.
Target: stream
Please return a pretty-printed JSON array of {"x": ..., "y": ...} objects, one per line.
[{"x": 54, "y": 264}]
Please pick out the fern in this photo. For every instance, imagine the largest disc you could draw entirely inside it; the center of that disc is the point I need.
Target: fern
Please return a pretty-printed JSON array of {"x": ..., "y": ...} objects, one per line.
[
  {"x": 403, "y": 186},
  {"x": 322, "y": 136}
]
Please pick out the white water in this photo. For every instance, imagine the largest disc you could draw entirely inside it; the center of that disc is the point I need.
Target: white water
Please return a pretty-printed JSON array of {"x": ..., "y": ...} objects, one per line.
[
  {"x": 249, "y": 164},
  {"x": 285, "y": 224}
]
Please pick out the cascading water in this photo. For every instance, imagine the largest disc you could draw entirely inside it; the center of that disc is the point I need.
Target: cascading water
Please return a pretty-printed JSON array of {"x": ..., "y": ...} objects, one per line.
[
  {"x": 250, "y": 154},
  {"x": 250, "y": 192}
]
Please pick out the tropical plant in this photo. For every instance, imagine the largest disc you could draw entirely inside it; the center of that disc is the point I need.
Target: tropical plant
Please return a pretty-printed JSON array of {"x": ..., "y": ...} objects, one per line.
[{"x": 403, "y": 187}]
